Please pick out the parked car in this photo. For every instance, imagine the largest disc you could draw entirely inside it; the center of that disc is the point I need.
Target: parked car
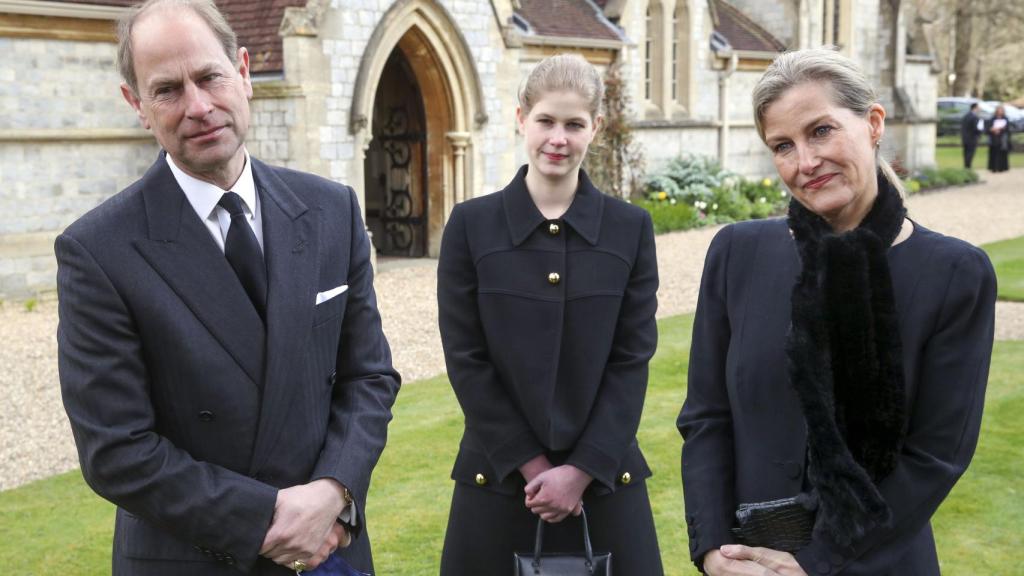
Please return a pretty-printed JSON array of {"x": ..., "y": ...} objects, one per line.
[
  {"x": 951, "y": 110},
  {"x": 1013, "y": 114}
]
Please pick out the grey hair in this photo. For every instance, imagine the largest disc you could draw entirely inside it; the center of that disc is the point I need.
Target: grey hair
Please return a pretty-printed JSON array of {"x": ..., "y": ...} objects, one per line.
[
  {"x": 563, "y": 72},
  {"x": 849, "y": 86},
  {"x": 205, "y": 9}
]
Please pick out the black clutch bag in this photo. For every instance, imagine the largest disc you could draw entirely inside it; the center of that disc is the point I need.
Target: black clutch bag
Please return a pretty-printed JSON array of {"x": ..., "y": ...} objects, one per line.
[
  {"x": 785, "y": 524},
  {"x": 538, "y": 563}
]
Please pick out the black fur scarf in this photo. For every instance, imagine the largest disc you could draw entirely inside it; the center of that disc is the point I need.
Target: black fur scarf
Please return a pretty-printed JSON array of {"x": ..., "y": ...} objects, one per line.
[{"x": 845, "y": 363}]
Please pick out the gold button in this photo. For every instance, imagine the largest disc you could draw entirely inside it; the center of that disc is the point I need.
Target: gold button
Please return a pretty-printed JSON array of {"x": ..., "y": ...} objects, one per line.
[
  {"x": 481, "y": 479},
  {"x": 554, "y": 278},
  {"x": 554, "y": 229},
  {"x": 626, "y": 478}
]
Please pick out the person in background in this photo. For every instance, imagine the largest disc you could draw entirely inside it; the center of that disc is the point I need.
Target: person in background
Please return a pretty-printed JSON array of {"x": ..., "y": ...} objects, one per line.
[
  {"x": 547, "y": 294},
  {"x": 971, "y": 125},
  {"x": 999, "y": 141},
  {"x": 839, "y": 355}
]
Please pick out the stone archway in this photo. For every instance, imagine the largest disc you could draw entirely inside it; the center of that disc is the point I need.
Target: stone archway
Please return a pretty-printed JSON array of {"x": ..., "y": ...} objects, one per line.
[{"x": 423, "y": 34}]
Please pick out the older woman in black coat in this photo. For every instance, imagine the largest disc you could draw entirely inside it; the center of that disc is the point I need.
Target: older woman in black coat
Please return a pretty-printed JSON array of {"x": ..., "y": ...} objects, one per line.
[
  {"x": 546, "y": 293},
  {"x": 999, "y": 140},
  {"x": 839, "y": 356}
]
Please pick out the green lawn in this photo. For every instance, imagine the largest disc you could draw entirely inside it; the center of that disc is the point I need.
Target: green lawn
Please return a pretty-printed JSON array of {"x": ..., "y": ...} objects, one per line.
[
  {"x": 58, "y": 527},
  {"x": 953, "y": 157},
  {"x": 1008, "y": 258}
]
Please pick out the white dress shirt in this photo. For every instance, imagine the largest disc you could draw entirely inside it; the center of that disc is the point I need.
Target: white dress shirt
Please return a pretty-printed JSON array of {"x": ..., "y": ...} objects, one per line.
[{"x": 204, "y": 196}]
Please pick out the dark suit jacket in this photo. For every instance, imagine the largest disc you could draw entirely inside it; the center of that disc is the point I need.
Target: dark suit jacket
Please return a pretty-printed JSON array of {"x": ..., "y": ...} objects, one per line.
[
  {"x": 744, "y": 431},
  {"x": 969, "y": 129},
  {"x": 545, "y": 364},
  {"x": 187, "y": 413}
]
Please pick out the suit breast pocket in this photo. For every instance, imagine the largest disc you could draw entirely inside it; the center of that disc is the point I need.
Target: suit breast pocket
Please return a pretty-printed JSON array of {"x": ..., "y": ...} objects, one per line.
[{"x": 330, "y": 310}]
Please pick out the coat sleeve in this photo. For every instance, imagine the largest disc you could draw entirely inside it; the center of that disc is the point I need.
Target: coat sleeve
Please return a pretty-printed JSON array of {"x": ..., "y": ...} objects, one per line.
[
  {"x": 615, "y": 417},
  {"x": 490, "y": 413},
  {"x": 105, "y": 389},
  {"x": 366, "y": 384},
  {"x": 944, "y": 423},
  {"x": 705, "y": 422}
]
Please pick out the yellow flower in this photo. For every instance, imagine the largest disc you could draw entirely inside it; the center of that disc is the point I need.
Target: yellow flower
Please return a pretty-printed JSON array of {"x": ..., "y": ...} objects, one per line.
[
  {"x": 662, "y": 195},
  {"x": 766, "y": 182}
]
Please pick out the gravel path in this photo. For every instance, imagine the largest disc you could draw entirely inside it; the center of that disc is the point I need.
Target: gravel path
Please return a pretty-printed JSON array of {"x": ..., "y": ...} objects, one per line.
[{"x": 35, "y": 439}]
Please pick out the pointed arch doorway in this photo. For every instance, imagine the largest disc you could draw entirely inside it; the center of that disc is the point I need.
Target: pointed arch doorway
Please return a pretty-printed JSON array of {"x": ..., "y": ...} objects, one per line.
[
  {"x": 395, "y": 167},
  {"x": 416, "y": 100}
]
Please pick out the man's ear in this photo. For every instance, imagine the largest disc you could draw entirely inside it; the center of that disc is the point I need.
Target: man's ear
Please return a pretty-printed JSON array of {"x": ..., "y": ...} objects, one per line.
[
  {"x": 521, "y": 121},
  {"x": 133, "y": 100},
  {"x": 243, "y": 70}
]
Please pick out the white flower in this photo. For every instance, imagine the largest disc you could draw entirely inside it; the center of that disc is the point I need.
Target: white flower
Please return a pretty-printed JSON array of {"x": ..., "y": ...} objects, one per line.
[
  {"x": 714, "y": 206},
  {"x": 762, "y": 199},
  {"x": 782, "y": 193},
  {"x": 672, "y": 201}
]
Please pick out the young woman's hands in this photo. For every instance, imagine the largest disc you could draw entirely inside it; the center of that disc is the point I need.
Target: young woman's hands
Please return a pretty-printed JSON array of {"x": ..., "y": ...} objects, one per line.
[{"x": 557, "y": 492}]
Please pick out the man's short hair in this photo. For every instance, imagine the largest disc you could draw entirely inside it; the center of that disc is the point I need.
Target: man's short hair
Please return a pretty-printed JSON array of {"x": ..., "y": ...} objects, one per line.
[
  {"x": 973, "y": 105},
  {"x": 205, "y": 9}
]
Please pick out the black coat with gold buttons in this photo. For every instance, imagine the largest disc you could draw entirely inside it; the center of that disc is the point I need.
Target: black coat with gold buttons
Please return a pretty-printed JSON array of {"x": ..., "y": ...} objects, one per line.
[{"x": 548, "y": 327}]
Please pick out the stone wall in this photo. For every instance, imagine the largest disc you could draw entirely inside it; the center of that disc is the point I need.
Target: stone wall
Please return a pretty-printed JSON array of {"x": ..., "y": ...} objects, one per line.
[
  {"x": 67, "y": 142},
  {"x": 269, "y": 136},
  {"x": 346, "y": 32}
]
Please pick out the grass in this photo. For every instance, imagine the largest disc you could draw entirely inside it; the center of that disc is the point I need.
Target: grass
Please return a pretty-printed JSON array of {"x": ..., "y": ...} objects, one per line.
[
  {"x": 57, "y": 526},
  {"x": 953, "y": 157},
  {"x": 1008, "y": 258}
]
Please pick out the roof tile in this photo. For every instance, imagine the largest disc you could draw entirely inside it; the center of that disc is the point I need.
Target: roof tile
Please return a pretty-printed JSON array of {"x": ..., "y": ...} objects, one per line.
[
  {"x": 742, "y": 32},
  {"x": 567, "y": 18},
  {"x": 256, "y": 23}
]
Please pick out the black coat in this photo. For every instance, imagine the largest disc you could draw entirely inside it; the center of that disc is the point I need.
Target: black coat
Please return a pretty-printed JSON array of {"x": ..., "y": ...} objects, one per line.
[
  {"x": 969, "y": 131},
  {"x": 547, "y": 328},
  {"x": 744, "y": 431}
]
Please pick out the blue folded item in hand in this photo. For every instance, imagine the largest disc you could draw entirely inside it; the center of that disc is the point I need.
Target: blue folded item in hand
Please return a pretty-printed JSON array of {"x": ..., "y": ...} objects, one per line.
[{"x": 334, "y": 566}]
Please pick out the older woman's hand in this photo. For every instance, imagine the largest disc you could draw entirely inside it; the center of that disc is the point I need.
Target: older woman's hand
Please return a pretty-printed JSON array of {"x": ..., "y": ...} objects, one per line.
[
  {"x": 715, "y": 564},
  {"x": 766, "y": 560}
]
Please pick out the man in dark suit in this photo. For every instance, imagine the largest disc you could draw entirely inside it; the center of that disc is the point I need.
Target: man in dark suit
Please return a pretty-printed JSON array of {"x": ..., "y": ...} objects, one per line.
[
  {"x": 221, "y": 356},
  {"x": 969, "y": 133}
]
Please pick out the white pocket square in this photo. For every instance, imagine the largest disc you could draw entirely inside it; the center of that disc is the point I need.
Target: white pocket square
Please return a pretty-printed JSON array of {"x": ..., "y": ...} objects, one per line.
[{"x": 322, "y": 297}]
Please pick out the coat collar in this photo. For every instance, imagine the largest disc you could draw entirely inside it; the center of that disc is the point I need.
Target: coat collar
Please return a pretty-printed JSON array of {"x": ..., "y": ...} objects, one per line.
[{"x": 583, "y": 215}]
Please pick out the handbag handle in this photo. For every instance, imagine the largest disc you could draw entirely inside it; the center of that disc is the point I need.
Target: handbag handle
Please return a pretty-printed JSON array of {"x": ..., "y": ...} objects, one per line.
[{"x": 588, "y": 551}]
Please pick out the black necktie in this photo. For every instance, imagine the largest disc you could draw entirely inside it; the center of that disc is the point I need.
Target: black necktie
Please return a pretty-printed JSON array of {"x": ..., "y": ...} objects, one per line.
[{"x": 243, "y": 252}]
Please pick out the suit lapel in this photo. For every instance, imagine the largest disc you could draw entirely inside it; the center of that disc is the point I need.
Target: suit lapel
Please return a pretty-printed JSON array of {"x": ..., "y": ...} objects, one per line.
[
  {"x": 182, "y": 252},
  {"x": 290, "y": 240}
]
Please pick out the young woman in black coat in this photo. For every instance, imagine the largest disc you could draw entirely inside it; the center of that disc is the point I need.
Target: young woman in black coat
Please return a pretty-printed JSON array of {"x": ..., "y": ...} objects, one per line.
[
  {"x": 547, "y": 294},
  {"x": 839, "y": 355}
]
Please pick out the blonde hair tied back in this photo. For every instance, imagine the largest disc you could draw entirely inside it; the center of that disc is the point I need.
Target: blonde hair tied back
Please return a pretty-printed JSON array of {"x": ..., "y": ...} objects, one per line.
[
  {"x": 850, "y": 89},
  {"x": 561, "y": 73}
]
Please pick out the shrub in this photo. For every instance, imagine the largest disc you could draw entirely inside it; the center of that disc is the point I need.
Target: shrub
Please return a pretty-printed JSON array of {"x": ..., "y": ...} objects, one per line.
[
  {"x": 615, "y": 163},
  {"x": 713, "y": 195},
  {"x": 669, "y": 216},
  {"x": 931, "y": 178}
]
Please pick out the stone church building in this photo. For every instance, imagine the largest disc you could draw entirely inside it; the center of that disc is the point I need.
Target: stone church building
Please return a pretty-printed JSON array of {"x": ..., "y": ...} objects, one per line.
[{"x": 412, "y": 102}]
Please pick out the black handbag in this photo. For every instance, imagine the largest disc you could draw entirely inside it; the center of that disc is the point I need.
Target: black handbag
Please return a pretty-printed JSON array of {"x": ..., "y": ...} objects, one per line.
[
  {"x": 785, "y": 524},
  {"x": 537, "y": 563}
]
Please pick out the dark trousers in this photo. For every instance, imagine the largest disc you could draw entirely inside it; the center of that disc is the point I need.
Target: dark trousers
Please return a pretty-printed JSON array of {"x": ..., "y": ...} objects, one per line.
[
  {"x": 485, "y": 528},
  {"x": 969, "y": 154}
]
